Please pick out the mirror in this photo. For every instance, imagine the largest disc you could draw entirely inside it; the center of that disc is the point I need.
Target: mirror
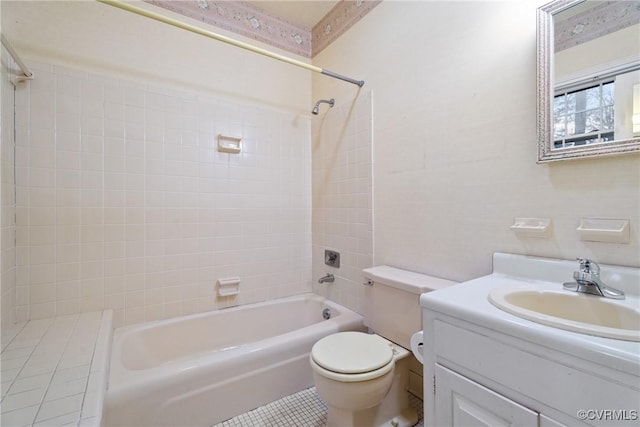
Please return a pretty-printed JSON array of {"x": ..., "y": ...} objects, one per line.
[{"x": 588, "y": 81}]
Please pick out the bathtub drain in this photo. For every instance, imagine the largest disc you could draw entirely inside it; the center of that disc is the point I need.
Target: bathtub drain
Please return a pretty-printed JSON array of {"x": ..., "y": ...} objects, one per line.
[{"x": 326, "y": 313}]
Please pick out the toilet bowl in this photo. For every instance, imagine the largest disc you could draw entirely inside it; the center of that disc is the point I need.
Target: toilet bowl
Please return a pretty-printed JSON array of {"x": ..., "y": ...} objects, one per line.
[
  {"x": 353, "y": 373},
  {"x": 365, "y": 379}
]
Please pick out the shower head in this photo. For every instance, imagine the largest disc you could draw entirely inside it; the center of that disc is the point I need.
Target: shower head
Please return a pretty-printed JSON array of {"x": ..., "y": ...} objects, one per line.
[{"x": 315, "y": 107}]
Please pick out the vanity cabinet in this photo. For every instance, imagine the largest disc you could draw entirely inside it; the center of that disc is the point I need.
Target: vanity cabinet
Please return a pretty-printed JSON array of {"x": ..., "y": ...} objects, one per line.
[
  {"x": 483, "y": 377},
  {"x": 464, "y": 377},
  {"x": 485, "y": 366}
]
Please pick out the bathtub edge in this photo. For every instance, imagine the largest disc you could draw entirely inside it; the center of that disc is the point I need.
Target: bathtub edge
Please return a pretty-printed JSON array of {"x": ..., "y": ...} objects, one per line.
[{"x": 94, "y": 399}]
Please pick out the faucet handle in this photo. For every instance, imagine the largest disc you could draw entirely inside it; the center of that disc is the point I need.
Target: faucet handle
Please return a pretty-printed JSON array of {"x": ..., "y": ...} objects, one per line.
[{"x": 588, "y": 266}]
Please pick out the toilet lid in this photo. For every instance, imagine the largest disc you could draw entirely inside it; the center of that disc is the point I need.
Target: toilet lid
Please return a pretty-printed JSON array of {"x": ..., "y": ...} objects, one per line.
[{"x": 352, "y": 352}]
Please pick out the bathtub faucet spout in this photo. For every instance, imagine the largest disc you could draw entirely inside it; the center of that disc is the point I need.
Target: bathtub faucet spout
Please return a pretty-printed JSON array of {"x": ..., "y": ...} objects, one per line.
[{"x": 326, "y": 278}]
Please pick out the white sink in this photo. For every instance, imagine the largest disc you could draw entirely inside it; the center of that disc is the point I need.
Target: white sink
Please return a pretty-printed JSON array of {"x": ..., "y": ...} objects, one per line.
[{"x": 586, "y": 314}]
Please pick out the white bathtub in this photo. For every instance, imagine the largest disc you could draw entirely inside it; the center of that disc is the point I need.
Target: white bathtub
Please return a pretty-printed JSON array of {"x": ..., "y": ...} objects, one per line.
[{"x": 202, "y": 369}]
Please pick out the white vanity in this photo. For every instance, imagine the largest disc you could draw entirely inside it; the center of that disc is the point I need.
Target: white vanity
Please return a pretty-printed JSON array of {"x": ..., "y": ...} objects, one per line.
[{"x": 485, "y": 366}]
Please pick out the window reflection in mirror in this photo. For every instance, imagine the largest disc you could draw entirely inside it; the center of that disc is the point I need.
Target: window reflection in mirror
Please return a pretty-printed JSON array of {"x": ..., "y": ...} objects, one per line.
[
  {"x": 584, "y": 116},
  {"x": 597, "y": 49}
]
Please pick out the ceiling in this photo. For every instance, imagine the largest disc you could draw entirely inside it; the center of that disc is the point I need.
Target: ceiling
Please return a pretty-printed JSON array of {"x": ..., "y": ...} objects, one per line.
[{"x": 306, "y": 13}]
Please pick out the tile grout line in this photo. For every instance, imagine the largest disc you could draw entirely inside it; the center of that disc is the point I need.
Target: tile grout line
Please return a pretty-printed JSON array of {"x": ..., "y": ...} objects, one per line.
[
  {"x": 14, "y": 337},
  {"x": 16, "y": 378},
  {"x": 28, "y": 358}
]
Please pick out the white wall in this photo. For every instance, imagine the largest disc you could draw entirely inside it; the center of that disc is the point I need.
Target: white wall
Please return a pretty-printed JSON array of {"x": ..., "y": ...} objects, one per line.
[
  {"x": 102, "y": 38},
  {"x": 123, "y": 200},
  {"x": 455, "y": 141}
]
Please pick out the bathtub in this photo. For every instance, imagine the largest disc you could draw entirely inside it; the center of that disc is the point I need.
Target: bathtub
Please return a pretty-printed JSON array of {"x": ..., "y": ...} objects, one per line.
[{"x": 202, "y": 369}]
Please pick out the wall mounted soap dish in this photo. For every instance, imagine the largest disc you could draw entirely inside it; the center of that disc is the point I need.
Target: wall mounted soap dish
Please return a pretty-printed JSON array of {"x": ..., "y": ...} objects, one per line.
[
  {"x": 228, "y": 287},
  {"x": 604, "y": 230},
  {"x": 532, "y": 227}
]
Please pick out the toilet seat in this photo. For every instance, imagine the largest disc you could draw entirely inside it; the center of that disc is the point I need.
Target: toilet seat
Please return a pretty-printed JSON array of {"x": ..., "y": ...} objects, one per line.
[{"x": 352, "y": 356}]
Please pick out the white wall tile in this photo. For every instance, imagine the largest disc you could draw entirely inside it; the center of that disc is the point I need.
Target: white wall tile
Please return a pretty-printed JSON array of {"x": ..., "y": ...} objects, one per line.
[
  {"x": 141, "y": 198},
  {"x": 342, "y": 194}
]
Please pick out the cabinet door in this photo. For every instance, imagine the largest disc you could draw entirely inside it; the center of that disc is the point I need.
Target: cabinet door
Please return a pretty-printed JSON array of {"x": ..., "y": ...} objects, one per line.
[{"x": 462, "y": 402}]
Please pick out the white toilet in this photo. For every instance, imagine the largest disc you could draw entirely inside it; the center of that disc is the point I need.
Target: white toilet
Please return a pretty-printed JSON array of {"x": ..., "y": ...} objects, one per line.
[{"x": 364, "y": 378}]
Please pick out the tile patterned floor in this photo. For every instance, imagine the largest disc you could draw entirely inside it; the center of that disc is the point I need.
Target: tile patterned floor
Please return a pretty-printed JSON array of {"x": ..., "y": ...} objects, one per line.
[{"x": 302, "y": 409}]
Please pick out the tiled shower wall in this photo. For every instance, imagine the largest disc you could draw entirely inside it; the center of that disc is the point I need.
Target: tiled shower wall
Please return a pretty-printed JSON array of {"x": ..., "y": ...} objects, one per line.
[
  {"x": 7, "y": 194},
  {"x": 124, "y": 202},
  {"x": 342, "y": 198}
]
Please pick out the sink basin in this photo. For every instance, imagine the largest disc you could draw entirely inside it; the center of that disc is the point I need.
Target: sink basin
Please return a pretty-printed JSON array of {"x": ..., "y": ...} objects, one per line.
[{"x": 575, "y": 312}]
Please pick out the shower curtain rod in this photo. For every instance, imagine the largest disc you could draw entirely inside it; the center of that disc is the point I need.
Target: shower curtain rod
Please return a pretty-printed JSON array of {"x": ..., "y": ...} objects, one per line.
[
  {"x": 25, "y": 70},
  {"x": 158, "y": 17}
]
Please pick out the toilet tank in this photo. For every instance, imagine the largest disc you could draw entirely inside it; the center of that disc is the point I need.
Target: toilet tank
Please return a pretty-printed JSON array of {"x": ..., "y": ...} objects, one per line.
[{"x": 392, "y": 304}]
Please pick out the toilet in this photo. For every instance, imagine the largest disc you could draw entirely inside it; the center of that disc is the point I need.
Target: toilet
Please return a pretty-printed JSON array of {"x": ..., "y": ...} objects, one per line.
[{"x": 364, "y": 378}]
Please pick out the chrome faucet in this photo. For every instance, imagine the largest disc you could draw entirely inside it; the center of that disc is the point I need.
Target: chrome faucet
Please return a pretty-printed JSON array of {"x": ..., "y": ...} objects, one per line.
[
  {"x": 326, "y": 278},
  {"x": 588, "y": 281}
]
